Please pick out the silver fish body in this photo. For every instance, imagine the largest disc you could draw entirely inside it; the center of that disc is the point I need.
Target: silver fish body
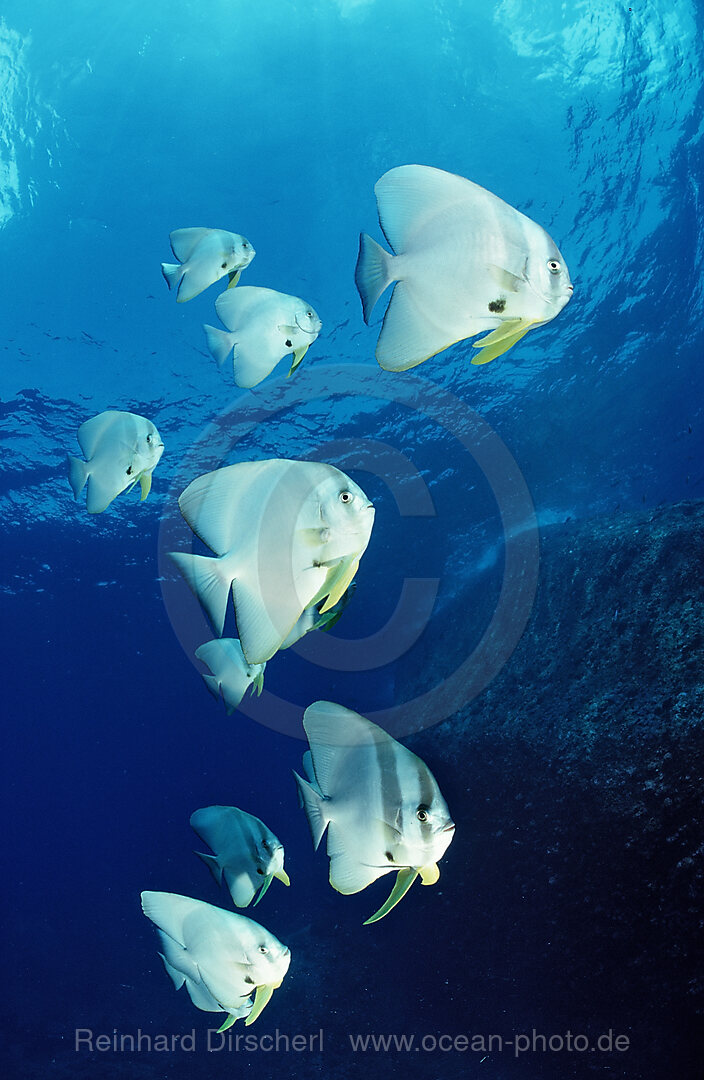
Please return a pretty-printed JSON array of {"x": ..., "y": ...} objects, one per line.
[
  {"x": 380, "y": 804},
  {"x": 263, "y": 326},
  {"x": 122, "y": 449},
  {"x": 288, "y": 535},
  {"x": 204, "y": 257},
  {"x": 465, "y": 262},
  {"x": 221, "y": 957},
  {"x": 247, "y": 854}
]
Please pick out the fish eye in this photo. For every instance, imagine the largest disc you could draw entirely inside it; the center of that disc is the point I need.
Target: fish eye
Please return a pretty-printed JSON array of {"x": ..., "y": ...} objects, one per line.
[
  {"x": 245, "y": 244},
  {"x": 554, "y": 266},
  {"x": 149, "y": 438},
  {"x": 309, "y": 314},
  {"x": 263, "y": 950},
  {"x": 346, "y": 497},
  {"x": 265, "y": 845},
  {"x": 422, "y": 813}
]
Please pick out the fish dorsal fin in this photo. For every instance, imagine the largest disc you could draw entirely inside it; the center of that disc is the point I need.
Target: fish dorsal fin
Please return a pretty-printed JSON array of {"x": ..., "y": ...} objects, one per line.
[
  {"x": 410, "y": 196},
  {"x": 185, "y": 241},
  {"x": 332, "y": 730},
  {"x": 308, "y": 767},
  {"x": 92, "y": 431},
  {"x": 220, "y": 505}
]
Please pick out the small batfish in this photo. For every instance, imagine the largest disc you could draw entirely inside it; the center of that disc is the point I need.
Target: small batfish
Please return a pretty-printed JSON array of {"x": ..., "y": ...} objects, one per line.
[
  {"x": 122, "y": 449},
  {"x": 204, "y": 256},
  {"x": 231, "y": 676},
  {"x": 288, "y": 535},
  {"x": 465, "y": 262},
  {"x": 380, "y": 804},
  {"x": 263, "y": 327},
  {"x": 247, "y": 854},
  {"x": 221, "y": 957}
]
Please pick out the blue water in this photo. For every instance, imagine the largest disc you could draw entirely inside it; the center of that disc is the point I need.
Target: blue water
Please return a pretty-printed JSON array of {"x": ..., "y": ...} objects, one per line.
[{"x": 121, "y": 122}]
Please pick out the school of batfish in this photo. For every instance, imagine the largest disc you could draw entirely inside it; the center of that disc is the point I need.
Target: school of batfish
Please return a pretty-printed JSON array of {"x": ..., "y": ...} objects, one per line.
[{"x": 287, "y": 538}]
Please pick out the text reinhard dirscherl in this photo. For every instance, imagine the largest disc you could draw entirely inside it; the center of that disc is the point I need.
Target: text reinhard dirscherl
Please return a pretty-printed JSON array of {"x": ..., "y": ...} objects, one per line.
[{"x": 214, "y": 1041}]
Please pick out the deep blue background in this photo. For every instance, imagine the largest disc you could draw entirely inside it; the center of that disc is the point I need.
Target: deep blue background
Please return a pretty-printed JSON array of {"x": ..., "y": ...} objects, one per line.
[{"x": 121, "y": 122}]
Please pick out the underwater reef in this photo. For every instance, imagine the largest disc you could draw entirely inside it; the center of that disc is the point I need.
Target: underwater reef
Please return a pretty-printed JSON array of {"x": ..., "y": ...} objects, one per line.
[{"x": 580, "y": 807}]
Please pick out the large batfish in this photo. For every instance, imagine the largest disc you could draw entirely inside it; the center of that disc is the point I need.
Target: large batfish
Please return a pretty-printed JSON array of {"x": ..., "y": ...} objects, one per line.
[
  {"x": 465, "y": 262},
  {"x": 288, "y": 536},
  {"x": 223, "y": 958},
  {"x": 379, "y": 802}
]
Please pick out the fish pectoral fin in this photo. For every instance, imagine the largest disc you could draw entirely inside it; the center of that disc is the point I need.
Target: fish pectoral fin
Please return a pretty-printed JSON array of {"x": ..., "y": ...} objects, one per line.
[
  {"x": 298, "y": 355},
  {"x": 283, "y": 876},
  {"x": 502, "y": 339},
  {"x": 261, "y": 1000},
  {"x": 505, "y": 279},
  {"x": 145, "y": 483},
  {"x": 234, "y": 277},
  {"x": 227, "y": 1023},
  {"x": 338, "y": 580},
  {"x": 429, "y": 874},
  {"x": 404, "y": 880}
]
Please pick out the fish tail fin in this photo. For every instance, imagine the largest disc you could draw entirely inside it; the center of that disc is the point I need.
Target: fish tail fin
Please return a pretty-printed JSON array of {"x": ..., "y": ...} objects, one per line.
[
  {"x": 173, "y": 274},
  {"x": 219, "y": 342},
  {"x": 372, "y": 274},
  {"x": 213, "y": 865},
  {"x": 77, "y": 474},
  {"x": 312, "y": 802},
  {"x": 210, "y": 582}
]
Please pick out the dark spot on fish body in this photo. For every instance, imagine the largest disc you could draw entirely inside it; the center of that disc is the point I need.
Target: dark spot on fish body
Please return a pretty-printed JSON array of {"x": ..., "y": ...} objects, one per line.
[
  {"x": 129, "y": 470},
  {"x": 249, "y": 980},
  {"x": 289, "y": 343},
  {"x": 389, "y": 856},
  {"x": 497, "y": 305},
  {"x": 260, "y": 871}
]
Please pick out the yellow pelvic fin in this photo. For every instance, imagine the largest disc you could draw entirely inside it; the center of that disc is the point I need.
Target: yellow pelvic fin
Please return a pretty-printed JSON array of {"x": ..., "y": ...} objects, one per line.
[
  {"x": 298, "y": 355},
  {"x": 490, "y": 346},
  {"x": 507, "y": 329},
  {"x": 258, "y": 683},
  {"x": 338, "y": 579},
  {"x": 234, "y": 277},
  {"x": 261, "y": 1000},
  {"x": 429, "y": 874},
  {"x": 227, "y": 1023},
  {"x": 283, "y": 876},
  {"x": 145, "y": 482},
  {"x": 404, "y": 880}
]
